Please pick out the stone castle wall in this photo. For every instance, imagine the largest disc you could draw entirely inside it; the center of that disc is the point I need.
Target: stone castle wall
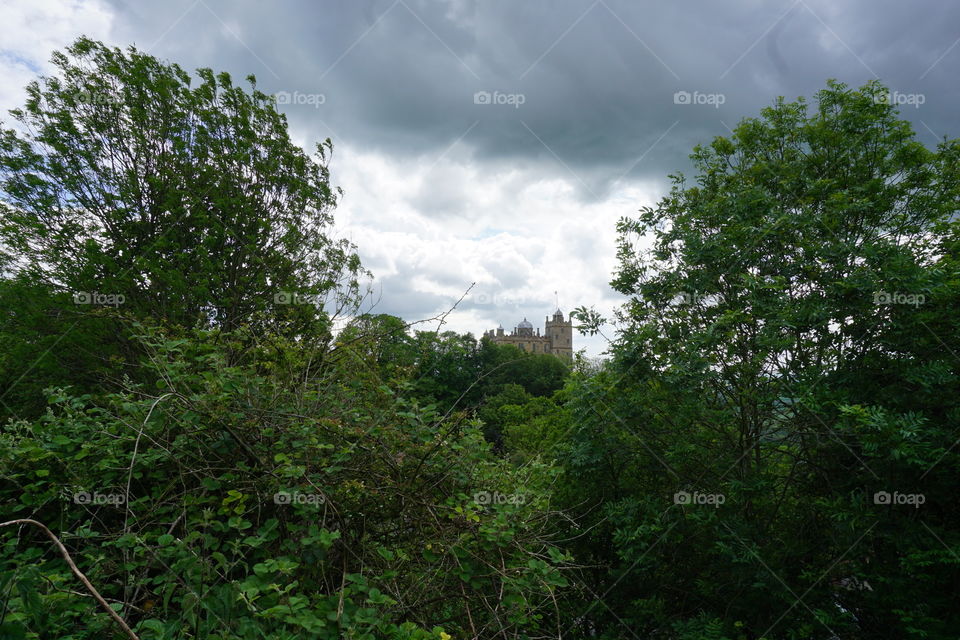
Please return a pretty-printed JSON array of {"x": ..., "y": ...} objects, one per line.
[{"x": 557, "y": 338}]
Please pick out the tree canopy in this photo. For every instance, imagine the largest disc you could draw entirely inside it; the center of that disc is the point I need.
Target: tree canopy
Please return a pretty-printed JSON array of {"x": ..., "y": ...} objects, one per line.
[
  {"x": 126, "y": 176},
  {"x": 788, "y": 359}
]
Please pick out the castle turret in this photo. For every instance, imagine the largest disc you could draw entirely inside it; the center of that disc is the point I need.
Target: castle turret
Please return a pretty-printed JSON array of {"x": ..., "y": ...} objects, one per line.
[{"x": 560, "y": 335}]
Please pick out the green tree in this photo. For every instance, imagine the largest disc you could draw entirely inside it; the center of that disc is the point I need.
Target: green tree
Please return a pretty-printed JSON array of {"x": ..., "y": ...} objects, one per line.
[
  {"x": 768, "y": 357},
  {"x": 378, "y": 341},
  {"x": 447, "y": 369},
  {"x": 492, "y": 413},
  {"x": 129, "y": 189},
  {"x": 539, "y": 374},
  {"x": 125, "y": 176},
  {"x": 534, "y": 428}
]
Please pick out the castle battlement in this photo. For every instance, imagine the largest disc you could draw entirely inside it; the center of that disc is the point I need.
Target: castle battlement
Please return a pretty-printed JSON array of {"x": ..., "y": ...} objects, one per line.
[{"x": 557, "y": 338}]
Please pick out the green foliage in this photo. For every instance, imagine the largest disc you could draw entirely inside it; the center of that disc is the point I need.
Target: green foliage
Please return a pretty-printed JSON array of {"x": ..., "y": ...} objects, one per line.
[
  {"x": 788, "y": 345},
  {"x": 127, "y": 177},
  {"x": 769, "y": 454},
  {"x": 454, "y": 371},
  {"x": 129, "y": 189},
  {"x": 43, "y": 343},
  {"x": 525, "y": 426},
  {"x": 215, "y": 461},
  {"x": 224, "y": 504}
]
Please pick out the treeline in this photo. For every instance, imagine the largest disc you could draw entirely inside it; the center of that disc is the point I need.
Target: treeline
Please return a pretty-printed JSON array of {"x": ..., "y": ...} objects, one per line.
[{"x": 195, "y": 404}]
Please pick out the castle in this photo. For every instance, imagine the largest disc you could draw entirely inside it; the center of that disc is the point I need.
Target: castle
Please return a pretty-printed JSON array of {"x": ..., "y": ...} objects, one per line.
[{"x": 557, "y": 338}]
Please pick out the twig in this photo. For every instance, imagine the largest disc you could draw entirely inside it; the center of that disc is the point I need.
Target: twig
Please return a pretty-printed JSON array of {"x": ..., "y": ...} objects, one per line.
[
  {"x": 77, "y": 572},
  {"x": 126, "y": 502}
]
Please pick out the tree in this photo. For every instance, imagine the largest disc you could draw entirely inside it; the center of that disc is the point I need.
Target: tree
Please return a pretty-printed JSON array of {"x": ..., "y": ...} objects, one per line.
[
  {"x": 539, "y": 374},
  {"x": 792, "y": 267},
  {"x": 186, "y": 203},
  {"x": 492, "y": 413},
  {"x": 534, "y": 428},
  {"x": 130, "y": 190},
  {"x": 447, "y": 370},
  {"x": 223, "y": 465},
  {"x": 378, "y": 341}
]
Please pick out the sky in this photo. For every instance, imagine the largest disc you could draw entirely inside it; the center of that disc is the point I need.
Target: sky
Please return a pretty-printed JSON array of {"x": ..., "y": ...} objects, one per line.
[{"x": 494, "y": 144}]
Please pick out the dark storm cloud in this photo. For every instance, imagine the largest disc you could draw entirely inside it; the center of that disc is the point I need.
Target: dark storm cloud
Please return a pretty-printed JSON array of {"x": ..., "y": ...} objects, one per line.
[{"x": 586, "y": 88}]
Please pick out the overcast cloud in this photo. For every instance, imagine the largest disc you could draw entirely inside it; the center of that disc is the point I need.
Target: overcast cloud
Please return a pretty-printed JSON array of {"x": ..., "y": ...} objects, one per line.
[{"x": 584, "y": 109}]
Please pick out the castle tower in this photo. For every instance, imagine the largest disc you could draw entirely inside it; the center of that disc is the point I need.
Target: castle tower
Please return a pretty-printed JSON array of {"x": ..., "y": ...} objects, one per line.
[
  {"x": 556, "y": 339},
  {"x": 560, "y": 335}
]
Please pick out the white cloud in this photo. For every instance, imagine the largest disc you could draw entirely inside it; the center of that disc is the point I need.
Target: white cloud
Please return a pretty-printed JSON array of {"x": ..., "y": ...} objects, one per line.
[
  {"x": 31, "y": 30},
  {"x": 518, "y": 234},
  {"x": 428, "y": 225}
]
